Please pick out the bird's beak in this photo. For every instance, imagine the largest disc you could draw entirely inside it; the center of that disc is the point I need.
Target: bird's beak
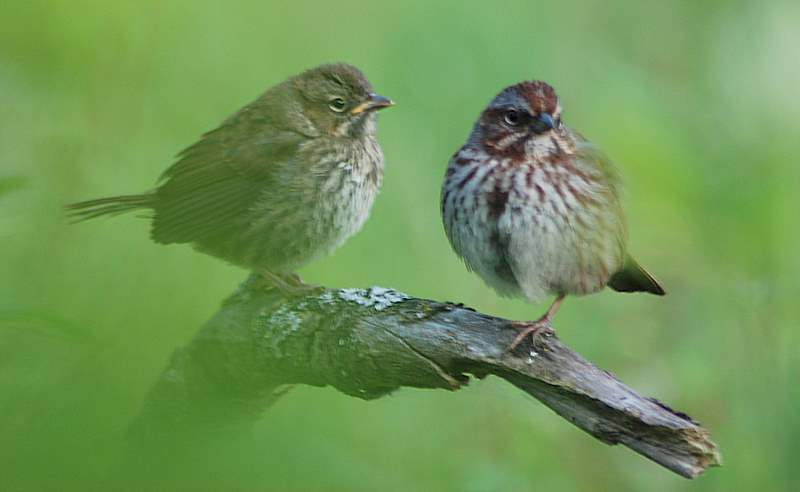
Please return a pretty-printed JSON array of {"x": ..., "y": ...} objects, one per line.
[
  {"x": 547, "y": 120},
  {"x": 373, "y": 103}
]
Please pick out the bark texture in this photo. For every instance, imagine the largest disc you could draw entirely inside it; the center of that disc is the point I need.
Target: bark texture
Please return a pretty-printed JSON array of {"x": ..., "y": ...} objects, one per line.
[{"x": 368, "y": 343}]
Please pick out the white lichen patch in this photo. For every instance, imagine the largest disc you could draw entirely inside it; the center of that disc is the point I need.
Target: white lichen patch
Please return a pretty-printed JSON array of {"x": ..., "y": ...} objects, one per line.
[
  {"x": 377, "y": 297},
  {"x": 326, "y": 297},
  {"x": 283, "y": 317}
]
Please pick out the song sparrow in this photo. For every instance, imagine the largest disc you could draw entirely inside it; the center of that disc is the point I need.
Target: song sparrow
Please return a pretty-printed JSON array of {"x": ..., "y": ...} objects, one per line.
[
  {"x": 533, "y": 207},
  {"x": 287, "y": 178}
]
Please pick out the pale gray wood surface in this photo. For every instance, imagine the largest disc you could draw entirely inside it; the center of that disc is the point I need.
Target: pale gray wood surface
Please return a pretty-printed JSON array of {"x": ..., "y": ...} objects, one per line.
[{"x": 368, "y": 343}]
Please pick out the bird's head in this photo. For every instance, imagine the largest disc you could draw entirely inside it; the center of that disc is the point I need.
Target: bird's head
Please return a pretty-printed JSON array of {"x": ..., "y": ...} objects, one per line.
[
  {"x": 520, "y": 121},
  {"x": 338, "y": 100}
]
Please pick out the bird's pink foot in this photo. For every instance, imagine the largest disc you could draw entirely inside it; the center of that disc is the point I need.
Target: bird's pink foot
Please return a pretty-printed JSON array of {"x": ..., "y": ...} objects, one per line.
[{"x": 533, "y": 328}]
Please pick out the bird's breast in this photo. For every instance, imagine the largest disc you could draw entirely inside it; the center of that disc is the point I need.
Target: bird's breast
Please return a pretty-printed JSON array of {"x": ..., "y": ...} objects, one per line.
[
  {"x": 314, "y": 204},
  {"x": 348, "y": 188},
  {"x": 548, "y": 226}
]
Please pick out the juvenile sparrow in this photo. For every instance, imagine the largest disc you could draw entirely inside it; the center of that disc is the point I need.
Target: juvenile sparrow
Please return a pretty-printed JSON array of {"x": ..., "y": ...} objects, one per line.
[
  {"x": 285, "y": 179},
  {"x": 533, "y": 207}
]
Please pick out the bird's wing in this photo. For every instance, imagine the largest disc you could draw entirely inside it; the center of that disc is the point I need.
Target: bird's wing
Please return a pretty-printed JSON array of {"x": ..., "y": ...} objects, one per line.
[
  {"x": 602, "y": 170},
  {"x": 631, "y": 277},
  {"x": 599, "y": 161},
  {"x": 215, "y": 182},
  {"x": 609, "y": 217}
]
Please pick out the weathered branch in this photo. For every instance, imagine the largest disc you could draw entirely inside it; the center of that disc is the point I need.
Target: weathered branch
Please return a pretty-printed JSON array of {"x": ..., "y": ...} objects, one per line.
[{"x": 367, "y": 343}]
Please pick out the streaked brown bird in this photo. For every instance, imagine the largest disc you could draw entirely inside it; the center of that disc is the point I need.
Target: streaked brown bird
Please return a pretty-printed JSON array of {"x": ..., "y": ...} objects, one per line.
[
  {"x": 534, "y": 209},
  {"x": 287, "y": 178}
]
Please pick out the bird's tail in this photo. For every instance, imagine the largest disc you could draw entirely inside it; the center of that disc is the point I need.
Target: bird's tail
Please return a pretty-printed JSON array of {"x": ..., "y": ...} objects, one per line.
[
  {"x": 113, "y": 205},
  {"x": 633, "y": 278}
]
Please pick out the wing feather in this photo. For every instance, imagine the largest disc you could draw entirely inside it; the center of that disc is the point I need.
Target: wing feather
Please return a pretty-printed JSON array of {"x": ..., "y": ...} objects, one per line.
[{"x": 208, "y": 192}]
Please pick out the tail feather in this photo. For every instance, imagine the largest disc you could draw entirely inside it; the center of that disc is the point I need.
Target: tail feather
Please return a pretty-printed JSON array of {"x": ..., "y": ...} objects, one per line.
[
  {"x": 113, "y": 205},
  {"x": 633, "y": 278}
]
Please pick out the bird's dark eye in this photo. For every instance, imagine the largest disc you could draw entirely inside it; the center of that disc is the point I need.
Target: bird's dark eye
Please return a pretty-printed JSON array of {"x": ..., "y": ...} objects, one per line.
[
  {"x": 337, "y": 104},
  {"x": 511, "y": 117}
]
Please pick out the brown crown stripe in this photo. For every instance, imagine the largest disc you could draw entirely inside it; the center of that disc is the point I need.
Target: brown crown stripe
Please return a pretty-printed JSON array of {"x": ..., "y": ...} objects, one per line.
[{"x": 540, "y": 95}]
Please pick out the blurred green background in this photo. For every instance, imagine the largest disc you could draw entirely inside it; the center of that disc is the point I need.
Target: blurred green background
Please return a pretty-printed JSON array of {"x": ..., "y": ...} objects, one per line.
[{"x": 695, "y": 101}]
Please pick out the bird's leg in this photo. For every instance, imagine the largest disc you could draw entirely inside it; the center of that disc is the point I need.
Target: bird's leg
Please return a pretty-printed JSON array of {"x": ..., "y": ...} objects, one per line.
[
  {"x": 297, "y": 283},
  {"x": 288, "y": 283},
  {"x": 540, "y": 325},
  {"x": 276, "y": 280},
  {"x": 294, "y": 280}
]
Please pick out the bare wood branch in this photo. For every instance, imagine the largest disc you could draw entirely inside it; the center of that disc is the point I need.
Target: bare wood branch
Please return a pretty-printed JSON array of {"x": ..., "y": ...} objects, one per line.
[{"x": 368, "y": 343}]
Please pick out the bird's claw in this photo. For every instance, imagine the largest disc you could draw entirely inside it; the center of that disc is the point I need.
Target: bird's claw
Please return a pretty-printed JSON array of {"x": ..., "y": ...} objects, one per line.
[
  {"x": 291, "y": 285},
  {"x": 540, "y": 327}
]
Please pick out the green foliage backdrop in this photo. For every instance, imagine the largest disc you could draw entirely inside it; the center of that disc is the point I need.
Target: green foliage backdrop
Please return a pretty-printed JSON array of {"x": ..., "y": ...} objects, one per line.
[{"x": 696, "y": 102}]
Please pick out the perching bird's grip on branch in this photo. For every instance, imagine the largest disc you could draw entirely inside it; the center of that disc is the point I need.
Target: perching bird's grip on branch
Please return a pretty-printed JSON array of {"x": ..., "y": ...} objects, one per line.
[{"x": 368, "y": 343}]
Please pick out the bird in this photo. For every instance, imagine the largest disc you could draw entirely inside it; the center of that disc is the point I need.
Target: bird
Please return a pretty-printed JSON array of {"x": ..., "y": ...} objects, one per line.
[
  {"x": 284, "y": 180},
  {"x": 533, "y": 207}
]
